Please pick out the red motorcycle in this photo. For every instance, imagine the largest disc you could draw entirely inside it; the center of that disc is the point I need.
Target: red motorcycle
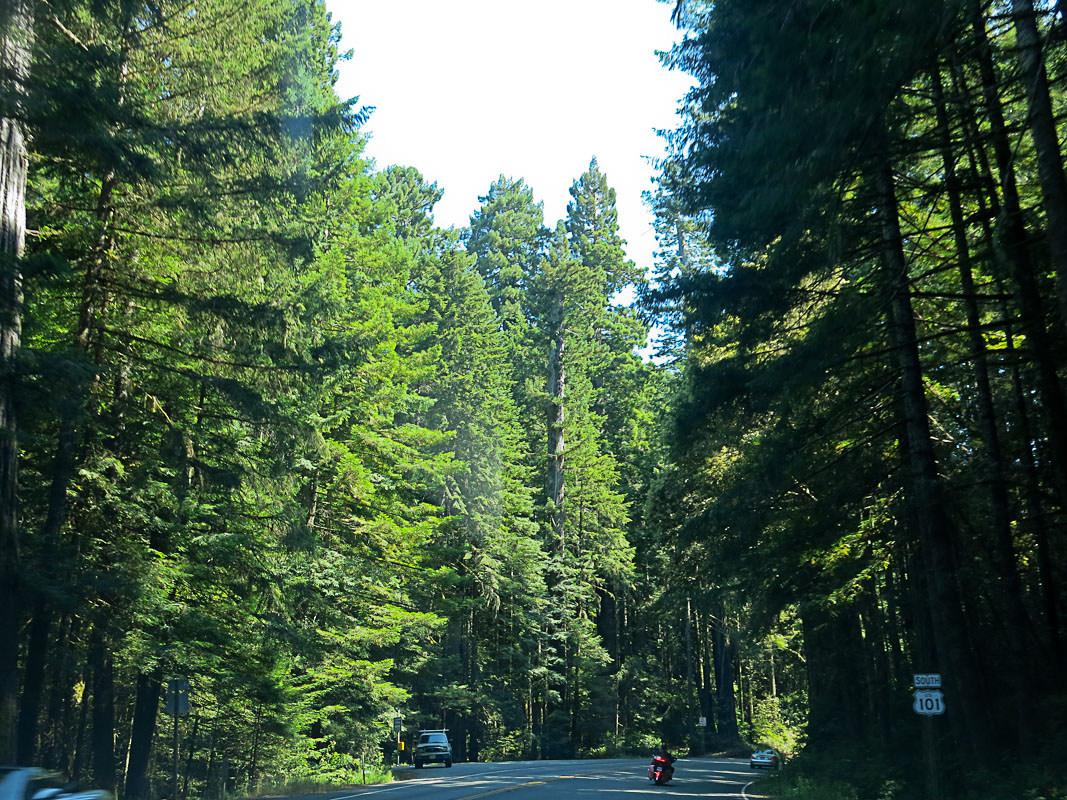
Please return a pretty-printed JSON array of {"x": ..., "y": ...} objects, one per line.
[{"x": 661, "y": 769}]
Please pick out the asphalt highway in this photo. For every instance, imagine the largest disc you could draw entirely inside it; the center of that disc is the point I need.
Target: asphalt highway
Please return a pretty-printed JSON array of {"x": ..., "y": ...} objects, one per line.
[{"x": 600, "y": 779}]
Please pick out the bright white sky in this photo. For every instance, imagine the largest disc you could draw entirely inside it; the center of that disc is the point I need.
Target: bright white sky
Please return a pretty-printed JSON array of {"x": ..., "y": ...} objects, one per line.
[{"x": 466, "y": 90}]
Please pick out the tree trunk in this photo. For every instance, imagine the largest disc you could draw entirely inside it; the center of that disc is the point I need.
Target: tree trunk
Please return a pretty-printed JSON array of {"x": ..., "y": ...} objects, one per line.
[
  {"x": 925, "y": 491},
  {"x": 894, "y": 635},
  {"x": 877, "y": 668},
  {"x": 833, "y": 660},
  {"x": 725, "y": 701},
  {"x": 40, "y": 627},
  {"x": 37, "y": 657},
  {"x": 1007, "y": 588},
  {"x": 16, "y": 35},
  {"x": 556, "y": 416},
  {"x": 77, "y": 757},
  {"x": 142, "y": 735},
  {"x": 103, "y": 739},
  {"x": 1038, "y": 345},
  {"x": 253, "y": 761},
  {"x": 1014, "y": 240},
  {"x": 690, "y": 680},
  {"x": 708, "y": 672},
  {"x": 60, "y": 701},
  {"x": 1050, "y": 592},
  {"x": 1046, "y": 138}
]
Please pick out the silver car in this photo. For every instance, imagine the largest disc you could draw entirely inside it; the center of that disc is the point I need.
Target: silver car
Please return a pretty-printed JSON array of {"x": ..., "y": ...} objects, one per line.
[{"x": 764, "y": 759}]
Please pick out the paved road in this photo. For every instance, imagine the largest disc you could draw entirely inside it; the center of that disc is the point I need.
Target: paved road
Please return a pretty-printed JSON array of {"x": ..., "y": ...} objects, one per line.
[{"x": 601, "y": 779}]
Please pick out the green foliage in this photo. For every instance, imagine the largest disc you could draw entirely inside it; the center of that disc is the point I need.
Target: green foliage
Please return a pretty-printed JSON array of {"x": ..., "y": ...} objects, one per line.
[
  {"x": 771, "y": 727},
  {"x": 285, "y": 437},
  {"x": 803, "y": 788},
  {"x": 842, "y": 425}
]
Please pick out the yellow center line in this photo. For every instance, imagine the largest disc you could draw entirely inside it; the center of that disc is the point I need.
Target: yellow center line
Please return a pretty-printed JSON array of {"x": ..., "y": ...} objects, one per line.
[{"x": 503, "y": 789}]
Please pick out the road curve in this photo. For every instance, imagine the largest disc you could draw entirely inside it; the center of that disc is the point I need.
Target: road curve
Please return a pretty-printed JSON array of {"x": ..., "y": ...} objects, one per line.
[{"x": 591, "y": 779}]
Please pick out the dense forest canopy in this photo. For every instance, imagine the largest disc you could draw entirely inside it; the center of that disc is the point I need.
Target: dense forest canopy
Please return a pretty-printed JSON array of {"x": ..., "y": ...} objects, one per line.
[{"x": 266, "y": 427}]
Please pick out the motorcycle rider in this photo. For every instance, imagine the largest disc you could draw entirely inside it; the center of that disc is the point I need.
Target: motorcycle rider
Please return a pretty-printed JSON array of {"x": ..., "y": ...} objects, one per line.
[{"x": 665, "y": 754}]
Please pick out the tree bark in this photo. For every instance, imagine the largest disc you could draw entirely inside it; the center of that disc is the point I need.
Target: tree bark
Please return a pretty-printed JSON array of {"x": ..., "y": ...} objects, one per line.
[
  {"x": 707, "y": 689},
  {"x": 77, "y": 756},
  {"x": 40, "y": 626},
  {"x": 37, "y": 656},
  {"x": 1046, "y": 138},
  {"x": 836, "y": 707},
  {"x": 16, "y": 38},
  {"x": 725, "y": 701},
  {"x": 950, "y": 625},
  {"x": 690, "y": 679},
  {"x": 142, "y": 735},
  {"x": 557, "y": 385},
  {"x": 1038, "y": 345},
  {"x": 878, "y": 667},
  {"x": 103, "y": 712},
  {"x": 1014, "y": 241},
  {"x": 1008, "y": 588}
]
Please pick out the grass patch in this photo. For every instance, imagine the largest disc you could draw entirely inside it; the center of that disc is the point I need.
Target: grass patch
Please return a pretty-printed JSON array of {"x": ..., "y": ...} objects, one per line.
[
  {"x": 802, "y": 787},
  {"x": 309, "y": 786}
]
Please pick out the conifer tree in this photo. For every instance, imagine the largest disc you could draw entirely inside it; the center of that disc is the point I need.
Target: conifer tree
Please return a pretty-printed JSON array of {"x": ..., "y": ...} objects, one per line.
[
  {"x": 489, "y": 543},
  {"x": 823, "y": 346},
  {"x": 683, "y": 253},
  {"x": 506, "y": 236},
  {"x": 407, "y": 202},
  {"x": 191, "y": 333},
  {"x": 593, "y": 235},
  {"x": 585, "y": 515}
]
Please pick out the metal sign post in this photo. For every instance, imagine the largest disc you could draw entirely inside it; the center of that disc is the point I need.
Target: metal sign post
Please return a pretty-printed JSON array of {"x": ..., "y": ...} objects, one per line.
[
  {"x": 398, "y": 725},
  {"x": 177, "y": 705},
  {"x": 928, "y": 703}
]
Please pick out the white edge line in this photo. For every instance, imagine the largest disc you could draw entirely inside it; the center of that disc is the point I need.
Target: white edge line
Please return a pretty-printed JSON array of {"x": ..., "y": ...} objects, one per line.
[
  {"x": 744, "y": 794},
  {"x": 371, "y": 789}
]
